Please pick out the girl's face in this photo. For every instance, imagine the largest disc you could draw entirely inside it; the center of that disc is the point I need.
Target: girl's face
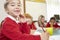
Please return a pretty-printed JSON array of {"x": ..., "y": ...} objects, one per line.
[
  {"x": 42, "y": 20},
  {"x": 29, "y": 21},
  {"x": 13, "y": 8},
  {"x": 53, "y": 21}
]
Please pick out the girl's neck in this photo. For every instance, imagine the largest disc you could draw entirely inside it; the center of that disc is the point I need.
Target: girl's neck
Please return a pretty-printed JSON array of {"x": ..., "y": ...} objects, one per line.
[{"x": 15, "y": 17}]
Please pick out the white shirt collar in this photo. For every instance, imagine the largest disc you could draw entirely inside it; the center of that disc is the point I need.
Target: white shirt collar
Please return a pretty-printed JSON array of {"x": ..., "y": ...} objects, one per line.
[{"x": 13, "y": 18}]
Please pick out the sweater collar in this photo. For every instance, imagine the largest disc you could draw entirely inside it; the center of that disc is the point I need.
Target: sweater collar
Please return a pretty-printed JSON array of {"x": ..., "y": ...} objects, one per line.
[{"x": 13, "y": 18}]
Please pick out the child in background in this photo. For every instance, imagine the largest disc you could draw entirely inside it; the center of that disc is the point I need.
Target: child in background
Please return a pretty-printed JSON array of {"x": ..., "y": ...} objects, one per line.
[
  {"x": 52, "y": 23},
  {"x": 41, "y": 21},
  {"x": 30, "y": 21},
  {"x": 23, "y": 23},
  {"x": 11, "y": 27}
]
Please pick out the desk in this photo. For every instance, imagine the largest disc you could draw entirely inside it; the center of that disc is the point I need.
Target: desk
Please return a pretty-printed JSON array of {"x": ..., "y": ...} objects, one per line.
[{"x": 55, "y": 36}]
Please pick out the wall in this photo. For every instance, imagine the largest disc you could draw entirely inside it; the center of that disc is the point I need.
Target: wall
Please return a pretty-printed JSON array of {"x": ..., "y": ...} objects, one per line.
[
  {"x": 2, "y": 11},
  {"x": 35, "y": 9},
  {"x": 53, "y": 7}
]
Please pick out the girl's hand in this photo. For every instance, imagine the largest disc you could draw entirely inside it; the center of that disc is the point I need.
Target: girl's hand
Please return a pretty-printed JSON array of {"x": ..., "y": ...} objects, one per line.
[
  {"x": 45, "y": 36},
  {"x": 22, "y": 19}
]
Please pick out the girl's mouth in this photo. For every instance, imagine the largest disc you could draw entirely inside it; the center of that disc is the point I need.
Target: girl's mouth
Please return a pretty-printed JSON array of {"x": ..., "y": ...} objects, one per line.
[{"x": 17, "y": 11}]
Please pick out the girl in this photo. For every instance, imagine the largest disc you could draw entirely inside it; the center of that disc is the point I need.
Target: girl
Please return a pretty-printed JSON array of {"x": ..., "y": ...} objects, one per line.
[
  {"x": 52, "y": 23},
  {"x": 11, "y": 28},
  {"x": 30, "y": 21},
  {"x": 41, "y": 21}
]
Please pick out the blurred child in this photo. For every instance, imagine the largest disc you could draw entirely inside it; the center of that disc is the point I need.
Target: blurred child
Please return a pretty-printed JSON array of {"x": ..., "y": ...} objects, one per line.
[
  {"x": 52, "y": 23},
  {"x": 30, "y": 21},
  {"x": 23, "y": 23},
  {"x": 41, "y": 21},
  {"x": 11, "y": 28}
]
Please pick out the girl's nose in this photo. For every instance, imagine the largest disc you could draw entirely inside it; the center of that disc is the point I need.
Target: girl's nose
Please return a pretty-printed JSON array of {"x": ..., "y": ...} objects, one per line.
[{"x": 17, "y": 7}]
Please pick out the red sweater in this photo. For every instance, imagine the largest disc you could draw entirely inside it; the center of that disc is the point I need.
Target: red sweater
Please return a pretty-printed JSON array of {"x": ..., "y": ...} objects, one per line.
[
  {"x": 12, "y": 31},
  {"x": 32, "y": 26},
  {"x": 55, "y": 25}
]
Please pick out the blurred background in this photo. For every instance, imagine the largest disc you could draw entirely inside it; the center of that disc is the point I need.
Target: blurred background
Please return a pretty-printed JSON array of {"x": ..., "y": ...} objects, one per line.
[{"x": 48, "y": 8}]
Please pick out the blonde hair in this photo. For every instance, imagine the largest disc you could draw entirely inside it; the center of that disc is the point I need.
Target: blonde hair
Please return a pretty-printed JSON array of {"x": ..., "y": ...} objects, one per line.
[
  {"x": 39, "y": 19},
  {"x": 28, "y": 16}
]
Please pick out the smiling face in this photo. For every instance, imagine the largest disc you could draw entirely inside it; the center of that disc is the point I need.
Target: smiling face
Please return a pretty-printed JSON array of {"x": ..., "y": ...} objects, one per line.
[{"x": 13, "y": 7}]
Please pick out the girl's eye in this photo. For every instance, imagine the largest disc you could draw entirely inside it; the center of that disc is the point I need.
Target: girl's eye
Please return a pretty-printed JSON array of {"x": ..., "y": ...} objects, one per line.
[
  {"x": 12, "y": 5},
  {"x": 19, "y": 5}
]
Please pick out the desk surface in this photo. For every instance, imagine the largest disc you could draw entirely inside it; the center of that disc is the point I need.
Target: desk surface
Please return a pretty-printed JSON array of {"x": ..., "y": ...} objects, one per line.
[{"x": 55, "y": 36}]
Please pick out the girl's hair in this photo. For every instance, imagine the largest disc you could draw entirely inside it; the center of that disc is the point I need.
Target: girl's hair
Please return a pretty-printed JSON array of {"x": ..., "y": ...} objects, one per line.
[
  {"x": 28, "y": 16},
  {"x": 52, "y": 18},
  {"x": 5, "y": 5},
  {"x": 39, "y": 19}
]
